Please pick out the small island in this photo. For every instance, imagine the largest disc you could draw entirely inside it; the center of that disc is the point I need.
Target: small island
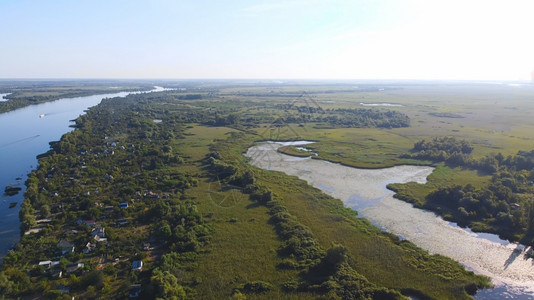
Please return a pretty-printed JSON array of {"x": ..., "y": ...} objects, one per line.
[{"x": 12, "y": 190}]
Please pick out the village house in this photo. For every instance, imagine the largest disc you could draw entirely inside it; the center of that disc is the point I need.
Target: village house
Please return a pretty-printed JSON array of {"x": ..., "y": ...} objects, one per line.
[
  {"x": 71, "y": 268},
  {"x": 98, "y": 232},
  {"x": 122, "y": 222},
  {"x": 48, "y": 263},
  {"x": 90, "y": 222},
  {"x": 65, "y": 247},
  {"x": 137, "y": 265},
  {"x": 85, "y": 222},
  {"x": 99, "y": 239},
  {"x": 89, "y": 247}
]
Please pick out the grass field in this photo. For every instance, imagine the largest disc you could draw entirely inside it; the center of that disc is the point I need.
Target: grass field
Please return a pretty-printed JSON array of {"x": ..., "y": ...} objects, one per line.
[
  {"x": 244, "y": 244},
  {"x": 494, "y": 118},
  {"x": 244, "y": 238}
]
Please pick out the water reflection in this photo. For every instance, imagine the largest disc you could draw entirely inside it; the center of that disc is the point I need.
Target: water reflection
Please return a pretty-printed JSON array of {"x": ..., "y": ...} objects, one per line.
[{"x": 365, "y": 191}]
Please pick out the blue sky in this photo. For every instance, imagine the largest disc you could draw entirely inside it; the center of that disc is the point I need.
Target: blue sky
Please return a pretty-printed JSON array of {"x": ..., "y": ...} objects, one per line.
[{"x": 336, "y": 39}]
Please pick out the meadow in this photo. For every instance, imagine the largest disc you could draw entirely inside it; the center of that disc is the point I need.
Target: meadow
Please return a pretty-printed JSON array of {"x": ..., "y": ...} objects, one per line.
[{"x": 223, "y": 228}]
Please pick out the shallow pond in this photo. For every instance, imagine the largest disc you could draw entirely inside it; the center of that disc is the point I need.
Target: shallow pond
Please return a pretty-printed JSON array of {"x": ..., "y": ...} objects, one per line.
[{"x": 365, "y": 191}]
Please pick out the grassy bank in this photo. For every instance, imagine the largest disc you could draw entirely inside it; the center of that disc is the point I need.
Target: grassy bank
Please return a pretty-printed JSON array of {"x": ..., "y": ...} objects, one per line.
[{"x": 218, "y": 227}]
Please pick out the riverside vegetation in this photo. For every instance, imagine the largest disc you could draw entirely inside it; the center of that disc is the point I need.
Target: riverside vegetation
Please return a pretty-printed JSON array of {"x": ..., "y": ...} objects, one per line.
[
  {"x": 25, "y": 93},
  {"x": 504, "y": 205},
  {"x": 161, "y": 178}
]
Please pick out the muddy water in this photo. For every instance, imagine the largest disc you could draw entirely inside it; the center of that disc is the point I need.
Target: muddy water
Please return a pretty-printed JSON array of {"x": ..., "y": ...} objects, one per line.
[{"x": 365, "y": 190}]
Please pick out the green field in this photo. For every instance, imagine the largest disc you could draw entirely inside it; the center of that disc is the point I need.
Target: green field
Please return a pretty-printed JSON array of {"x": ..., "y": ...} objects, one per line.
[{"x": 223, "y": 228}]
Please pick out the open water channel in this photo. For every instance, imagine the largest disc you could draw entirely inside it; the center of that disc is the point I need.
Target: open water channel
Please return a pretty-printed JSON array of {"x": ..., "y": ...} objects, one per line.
[
  {"x": 24, "y": 134},
  {"x": 365, "y": 191}
]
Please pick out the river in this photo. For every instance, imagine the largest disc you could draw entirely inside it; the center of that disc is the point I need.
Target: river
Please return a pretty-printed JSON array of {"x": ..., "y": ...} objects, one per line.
[
  {"x": 25, "y": 133},
  {"x": 365, "y": 191}
]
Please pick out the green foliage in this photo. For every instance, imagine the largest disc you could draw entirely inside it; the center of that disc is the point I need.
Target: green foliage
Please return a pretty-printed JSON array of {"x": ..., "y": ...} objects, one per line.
[
  {"x": 278, "y": 243},
  {"x": 457, "y": 153},
  {"x": 501, "y": 206},
  {"x": 450, "y": 149},
  {"x": 13, "y": 282},
  {"x": 331, "y": 262},
  {"x": 93, "y": 278},
  {"x": 496, "y": 208},
  {"x": 257, "y": 287},
  {"x": 7, "y": 287},
  {"x": 360, "y": 117},
  {"x": 166, "y": 286},
  {"x": 345, "y": 117},
  {"x": 299, "y": 242},
  {"x": 34, "y": 93},
  {"x": 447, "y": 144}
]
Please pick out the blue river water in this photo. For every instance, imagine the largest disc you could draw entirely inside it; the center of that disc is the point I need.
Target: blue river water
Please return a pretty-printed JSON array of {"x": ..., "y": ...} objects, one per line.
[{"x": 24, "y": 134}]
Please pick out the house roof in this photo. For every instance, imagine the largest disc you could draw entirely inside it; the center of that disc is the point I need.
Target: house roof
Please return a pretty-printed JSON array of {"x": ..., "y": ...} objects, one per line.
[
  {"x": 137, "y": 265},
  {"x": 65, "y": 244},
  {"x": 98, "y": 230},
  {"x": 74, "y": 267}
]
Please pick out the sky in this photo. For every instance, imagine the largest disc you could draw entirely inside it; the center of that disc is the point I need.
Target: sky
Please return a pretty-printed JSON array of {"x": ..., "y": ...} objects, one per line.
[{"x": 292, "y": 39}]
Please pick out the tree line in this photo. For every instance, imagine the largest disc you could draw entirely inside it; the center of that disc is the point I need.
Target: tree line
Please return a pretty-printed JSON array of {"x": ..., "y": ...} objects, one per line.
[{"x": 504, "y": 206}]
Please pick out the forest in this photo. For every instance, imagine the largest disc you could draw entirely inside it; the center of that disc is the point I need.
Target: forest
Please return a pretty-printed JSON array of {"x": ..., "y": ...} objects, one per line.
[
  {"x": 504, "y": 205},
  {"x": 151, "y": 195},
  {"x": 22, "y": 94}
]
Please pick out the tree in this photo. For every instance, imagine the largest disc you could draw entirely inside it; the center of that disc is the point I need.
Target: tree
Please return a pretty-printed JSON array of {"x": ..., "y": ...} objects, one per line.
[
  {"x": 167, "y": 286},
  {"x": 7, "y": 287},
  {"x": 13, "y": 281},
  {"x": 45, "y": 211}
]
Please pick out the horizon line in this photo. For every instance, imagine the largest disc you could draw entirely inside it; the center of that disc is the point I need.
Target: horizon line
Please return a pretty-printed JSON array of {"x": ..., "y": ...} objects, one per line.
[{"x": 256, "y": 79}]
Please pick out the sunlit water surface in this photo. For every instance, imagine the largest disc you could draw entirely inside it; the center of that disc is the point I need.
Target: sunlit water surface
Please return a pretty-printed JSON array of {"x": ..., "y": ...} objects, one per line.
[
  {"x": 24, "y": 134},
  {"x": 365, "y": 191}
]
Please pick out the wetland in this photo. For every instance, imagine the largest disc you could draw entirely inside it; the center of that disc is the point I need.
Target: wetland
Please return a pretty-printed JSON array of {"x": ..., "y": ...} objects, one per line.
[
  {"x": 165, "y": 175},
  {"x": 365, "y": 191}
]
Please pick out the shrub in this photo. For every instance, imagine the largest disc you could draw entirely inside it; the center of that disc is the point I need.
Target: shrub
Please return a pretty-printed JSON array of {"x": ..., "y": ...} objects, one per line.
[{"x": 257, "y": 287}]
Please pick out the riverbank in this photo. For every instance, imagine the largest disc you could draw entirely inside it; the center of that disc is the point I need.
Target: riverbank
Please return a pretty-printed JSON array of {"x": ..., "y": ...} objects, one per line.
[
  {"x": 23, "y": 95},
  {"x": 354, "y": 157},
  {"x": 31, "y": 137},
  {"x": 365, "y": 191},
  {"x": 204, "y": 228}
]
